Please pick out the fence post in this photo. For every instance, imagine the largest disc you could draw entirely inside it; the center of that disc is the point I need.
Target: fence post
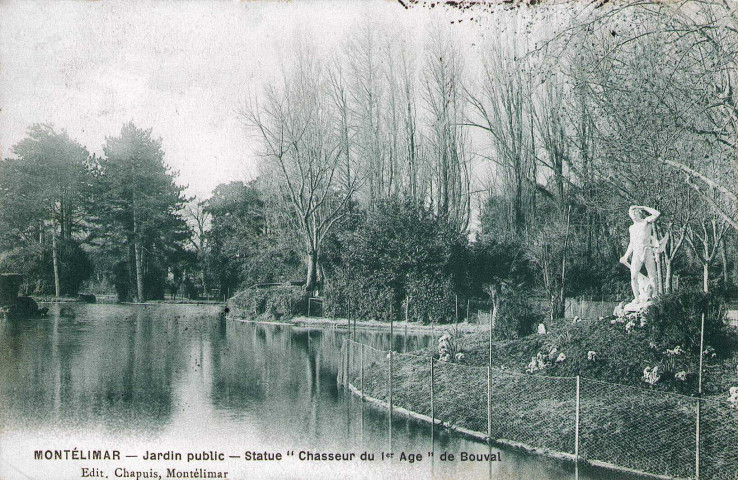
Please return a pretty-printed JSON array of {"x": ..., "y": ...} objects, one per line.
[
  {"x": 348, "y": 356},
  {"x": 433, "y": 405},
  {"x": 342, "y": 366},
  {"x": 489, "y": 404},
  {"x": 702, "y": 349},
  {"x": 362, "y": 373},
  {"x": 697, "y": 446},
  {"x": 456, "y": 297},
  {"x": 389, "y": 388},
  {"x": 576, "y": 427}
]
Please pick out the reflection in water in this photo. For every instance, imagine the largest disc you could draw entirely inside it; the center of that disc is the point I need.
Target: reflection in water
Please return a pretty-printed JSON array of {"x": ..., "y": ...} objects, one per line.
[{"x": 183, "y": 378}]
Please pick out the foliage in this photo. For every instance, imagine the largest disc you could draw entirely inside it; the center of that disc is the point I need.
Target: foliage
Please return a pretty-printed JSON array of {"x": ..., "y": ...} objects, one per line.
[
  {"x": 138, "y": 204},
  {"x": 675, "y": 319},
  {"x": 44, "y": 195},
  {"x": 242, "y": 250},
  {"x": 401, "y": 250},
  {"x": 274, "y": 303},
  {"x": 517, "y": 315}
]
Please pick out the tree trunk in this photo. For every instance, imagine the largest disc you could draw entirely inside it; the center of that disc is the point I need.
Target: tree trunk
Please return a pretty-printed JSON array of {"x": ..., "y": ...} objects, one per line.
[
  {"x": 706, "y": 277},
  {"x": 312, "y": 271},
  {"x": 724, "y": 261},
  {"x": 131, "y": 270},
  {"x": 138, "y": 253},
  {"x": 668, "y": 277},
  {"x": 55, "y": 258}
]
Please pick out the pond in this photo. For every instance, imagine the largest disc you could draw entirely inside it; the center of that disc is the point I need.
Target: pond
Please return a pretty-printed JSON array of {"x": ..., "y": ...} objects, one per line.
[{"x": 182, "y": 378}]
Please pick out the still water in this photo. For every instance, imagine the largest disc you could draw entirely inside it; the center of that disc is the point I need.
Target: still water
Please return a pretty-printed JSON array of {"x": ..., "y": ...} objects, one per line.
[{"x": 182, "y": 378}]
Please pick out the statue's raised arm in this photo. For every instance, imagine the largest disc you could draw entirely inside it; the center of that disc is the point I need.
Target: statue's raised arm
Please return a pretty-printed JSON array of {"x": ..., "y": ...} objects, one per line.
[{"x": 653, "y": 214}]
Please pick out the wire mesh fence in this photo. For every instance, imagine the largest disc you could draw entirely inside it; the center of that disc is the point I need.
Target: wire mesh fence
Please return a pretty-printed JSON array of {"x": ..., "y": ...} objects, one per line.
[
  {"x": 534, "y": 410},
  {"x": 718, "y": 440},
  {"x": 460, "y": 395},
  {"x": 416, "y": 370},
  {"x": 617, "y": 426},
  {"x": 643, "y": 430}
]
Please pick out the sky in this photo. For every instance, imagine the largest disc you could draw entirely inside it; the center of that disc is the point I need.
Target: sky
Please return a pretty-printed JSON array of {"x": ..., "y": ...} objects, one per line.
[{"x": 181, "y": 68}]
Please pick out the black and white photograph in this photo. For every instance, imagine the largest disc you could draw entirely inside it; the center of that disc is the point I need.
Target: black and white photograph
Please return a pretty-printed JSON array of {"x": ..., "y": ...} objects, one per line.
[{"x": 369, "y": 239}]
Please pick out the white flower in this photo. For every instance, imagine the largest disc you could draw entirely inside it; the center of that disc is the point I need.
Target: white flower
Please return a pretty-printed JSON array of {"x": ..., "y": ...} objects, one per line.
[
  {"x": 629, "y": 326},
  {"x": 681, "y": 376},
  {"x": 459, "y": 357},
  {"x": 539, "y": 362},
  {"x": 651, "y": 376},
  {"x": 733, "y": 398},
  {"x": 561, "y": 357},
  {"x": 675, "y": 351},
  {"x": 592, "y": 356}
]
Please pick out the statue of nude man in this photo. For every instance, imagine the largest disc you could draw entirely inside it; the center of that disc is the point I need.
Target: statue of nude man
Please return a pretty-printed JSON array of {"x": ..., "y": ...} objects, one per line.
[{"x": 641, "y": 249}]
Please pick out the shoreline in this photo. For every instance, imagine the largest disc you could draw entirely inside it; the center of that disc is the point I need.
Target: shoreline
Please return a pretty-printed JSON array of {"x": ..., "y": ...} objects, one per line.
[
  {"x": 110, "y": 300},
  {"x": 482, "y": 437},
  {"x": 343, "y": 323}
]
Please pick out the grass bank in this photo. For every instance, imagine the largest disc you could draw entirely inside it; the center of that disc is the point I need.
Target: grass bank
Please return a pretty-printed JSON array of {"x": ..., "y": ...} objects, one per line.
[{"x": 624, "y": 421}]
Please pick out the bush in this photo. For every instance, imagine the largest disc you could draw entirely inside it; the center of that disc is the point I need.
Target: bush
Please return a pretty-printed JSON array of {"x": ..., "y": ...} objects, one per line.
[
  {"x": 35, "y": 262},
  {"x": 349, "y": 295},
  {"x": 517, "y": 315},
  {"x": 400, "y": 250},
  {"x": 276, "y": 303},
  {"x": 675, "y": 319},
  {"x": 431, "y": 298}
]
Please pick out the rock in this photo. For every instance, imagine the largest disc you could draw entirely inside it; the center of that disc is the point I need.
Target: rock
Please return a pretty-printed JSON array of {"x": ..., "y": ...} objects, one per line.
[
  {"x": 541, "y": 329},
  {"x": 619, "y": 310}
]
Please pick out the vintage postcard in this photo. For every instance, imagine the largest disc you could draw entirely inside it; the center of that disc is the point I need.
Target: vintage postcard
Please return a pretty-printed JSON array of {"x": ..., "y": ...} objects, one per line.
[{"x": 368, "y": 239}]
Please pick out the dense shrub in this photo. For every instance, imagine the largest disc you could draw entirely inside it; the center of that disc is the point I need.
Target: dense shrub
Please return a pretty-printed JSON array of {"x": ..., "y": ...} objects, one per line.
[
  {"x": 275, "y": 303},
  {"x": 354, "y": 296},
  {"x": 518, "y": 315},
  {"x": 431, "y": 298},
  {"x": 35, "y": 262},
  {"x": 400, "y": 250},
  {"x": 675, "y": 319}
]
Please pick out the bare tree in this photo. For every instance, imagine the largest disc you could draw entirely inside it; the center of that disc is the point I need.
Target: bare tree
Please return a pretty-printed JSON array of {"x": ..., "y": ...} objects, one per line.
[
  {"x": 444, "y": 101},
  {"x": 295, "y": 122},
  {"x": 500, "y": 107}
]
